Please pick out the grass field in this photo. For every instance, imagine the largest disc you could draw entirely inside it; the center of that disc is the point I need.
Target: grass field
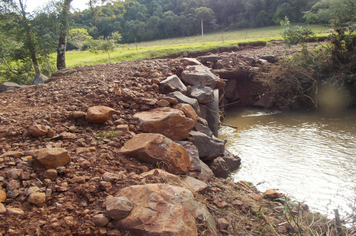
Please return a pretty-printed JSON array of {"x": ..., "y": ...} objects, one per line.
[{"x": 193, "y": 44}]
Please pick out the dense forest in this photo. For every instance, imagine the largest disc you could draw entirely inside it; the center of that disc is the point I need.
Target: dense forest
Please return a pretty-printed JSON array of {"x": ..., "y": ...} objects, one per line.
[
  {"x": 145, "y": 20},
  {"x": 29, "y": 39}
]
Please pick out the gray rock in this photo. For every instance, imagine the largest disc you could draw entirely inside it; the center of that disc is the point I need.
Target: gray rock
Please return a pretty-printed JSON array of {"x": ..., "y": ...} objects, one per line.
[
  {"x": 195, "y": 167},
  {"x": 208, "y": 147},
  {"x": 203, "y": 94},
  {"x": 195, "y": 75},
  {"x": 9, "y": 86},
  {"x": 206, "y": 174},
  {"x": 269, "y": 58},
  {"x": 171, "y": 84},
  {"x": 224, "y": 165},
  {"x": 209, "y": 58},
  {"x": 40, "y": 79},
  {"x": 184, "y": 99},
  {"x": 118, "y": 207},
  {"x": 203, "y": 129}
]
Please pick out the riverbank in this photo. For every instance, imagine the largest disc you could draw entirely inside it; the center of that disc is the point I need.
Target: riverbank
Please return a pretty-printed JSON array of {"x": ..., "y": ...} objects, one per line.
[{"x": 74, "y": 199}]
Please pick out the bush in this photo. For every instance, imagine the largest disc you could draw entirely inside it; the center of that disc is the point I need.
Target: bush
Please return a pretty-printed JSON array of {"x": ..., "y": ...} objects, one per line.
[
  {"x": 92, "y": 43},
  {"x": 294, "y": 34}
]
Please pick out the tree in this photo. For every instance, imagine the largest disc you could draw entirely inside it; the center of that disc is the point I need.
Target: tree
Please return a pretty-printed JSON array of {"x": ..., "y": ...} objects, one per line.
[
  {"x": 63, "y": 29},
  {"x": 204, "y": 14},
  {"x": 107, "y": 44},
  {"x": 78, "y": 36}
]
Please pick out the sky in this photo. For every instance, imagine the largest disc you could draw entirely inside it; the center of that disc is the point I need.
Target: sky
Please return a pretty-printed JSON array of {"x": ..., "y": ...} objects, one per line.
[{"x": 33, "y": 4}]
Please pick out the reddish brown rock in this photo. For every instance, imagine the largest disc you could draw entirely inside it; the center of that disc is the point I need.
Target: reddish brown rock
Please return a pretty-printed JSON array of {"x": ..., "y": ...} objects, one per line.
[
  {"x": 123, "y": 128},
  {"x": 50, "y": 158},
  {"x": 100, "y": 220},
  {"x": 223, "y": 223},
  {"x": 15, "y": 154},
  {"x": 78, "y": 114},
  {"x": 169, "y": 178},
  {"x": 188, "y": 111},
  {"x": 220, "y": 204},
  {"x": 159, "y": 209},
  {"x": 2, "y": 196},
  {"x": 50, "y": 174},
  {"x": 99, "y": 114},
  {"x": 158, "y": 149},
  {"x": 167, "y": 121},
  {"x": 38, "y": 130},
  {"x": 118, "y": 207},
  {"x": 2, "y": 208},
  {"x": 270, "y": 193},
  {"x": 162, "y": 103},
  {"x": 255, "y": 196},
  {"x": 195, "y": 184},
  {"x": 37, "y": 198},
  {"x": 15, "y": 211}
]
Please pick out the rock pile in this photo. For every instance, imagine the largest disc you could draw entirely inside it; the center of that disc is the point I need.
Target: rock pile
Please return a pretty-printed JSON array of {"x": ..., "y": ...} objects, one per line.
[{"x": 79, "y": 154}]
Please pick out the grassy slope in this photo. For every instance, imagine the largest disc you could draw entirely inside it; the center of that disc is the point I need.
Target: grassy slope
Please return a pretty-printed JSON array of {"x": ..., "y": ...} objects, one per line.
[{"x": 161, "y": 48}]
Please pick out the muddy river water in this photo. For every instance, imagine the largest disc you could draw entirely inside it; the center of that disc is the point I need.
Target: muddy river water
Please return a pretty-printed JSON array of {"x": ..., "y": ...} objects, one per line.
[{"x": 310, "y": 156}]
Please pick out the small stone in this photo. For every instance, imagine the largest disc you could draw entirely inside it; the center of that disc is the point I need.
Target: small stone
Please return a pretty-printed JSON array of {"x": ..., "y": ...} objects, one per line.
[
  {"x": 111, "y": 177},
  {"x": 38, "y": 130},
  {"x": 37, "y": 198},
  {"x": 15, "y": 211},
  {"x": 118, "y": 207},
  {"x": 270, "y": 193},
  {"x": 123, "y": 128},
  {"x": 51, "y": 158},
  {"x": 12, "y": 185},
  {"x": 162, "y": 103},
  {"x": 2, "y": 208},
  {"x": 2, "y": 196},
  {"x": 119, "y": 122},
  {"x": 220, "y": 204},
  {"x": 100, "y": 220},
  {"x": 14, "y": 173},
  {"x": 50, "y": 174},
  {"x": 99, "y": 114},
  {"x": 82, "y": 150},
  {"x": 114, "y": 232},
  {"x": 25, "y": 175},
  {"x": 255, "y": 196},
  {"x": 237, "y": 203},
  {"x": 78, "y": 114},
  {"x": 15, "y": 154},
  {"x": 77, "y": 179},
  {"x": 31, "y": 190},
  {"x": 223, "y": 223}
]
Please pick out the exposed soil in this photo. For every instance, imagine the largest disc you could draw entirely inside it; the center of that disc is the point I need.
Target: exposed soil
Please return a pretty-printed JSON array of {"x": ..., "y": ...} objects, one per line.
[{"x": 71, "y": 205}]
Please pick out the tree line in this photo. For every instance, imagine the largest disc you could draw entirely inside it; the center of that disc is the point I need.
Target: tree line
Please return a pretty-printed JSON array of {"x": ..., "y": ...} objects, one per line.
[{"x": 27, "y": 39}]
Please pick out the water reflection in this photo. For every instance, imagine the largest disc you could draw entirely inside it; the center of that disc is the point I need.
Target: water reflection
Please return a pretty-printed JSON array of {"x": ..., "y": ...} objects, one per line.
[{"x": 310, "y": 156}]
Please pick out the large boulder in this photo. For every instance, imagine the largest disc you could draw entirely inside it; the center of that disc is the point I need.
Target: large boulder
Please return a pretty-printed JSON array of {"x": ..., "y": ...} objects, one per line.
[
  {"x": 8, "y": 86},
  {"x": 188, "y": 111},
  {"x": 167, "y": 121},
  {"x": 203, "y": 94},
  {"x": 199, "y": 74},
  {"x": 40, "y": 79},
  {"x": 51, "y": 158},
  {"x": 171, "y": 84},
  {"x": 158, "y": 149},
  {"x": 209, "y": 147},
  {"x": 168, "y": 177},
  {"x": 159, "y": 209},
  {"x": 180, "y": 97},
  {"x": 99, "y": 114}
]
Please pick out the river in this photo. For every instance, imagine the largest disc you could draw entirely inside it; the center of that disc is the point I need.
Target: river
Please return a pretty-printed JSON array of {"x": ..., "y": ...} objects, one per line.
[{"x": 309, "y": 156}]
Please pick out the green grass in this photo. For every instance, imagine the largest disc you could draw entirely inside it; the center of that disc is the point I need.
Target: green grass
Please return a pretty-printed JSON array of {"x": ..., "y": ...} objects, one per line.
[{"x": 193, "y": 44}]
